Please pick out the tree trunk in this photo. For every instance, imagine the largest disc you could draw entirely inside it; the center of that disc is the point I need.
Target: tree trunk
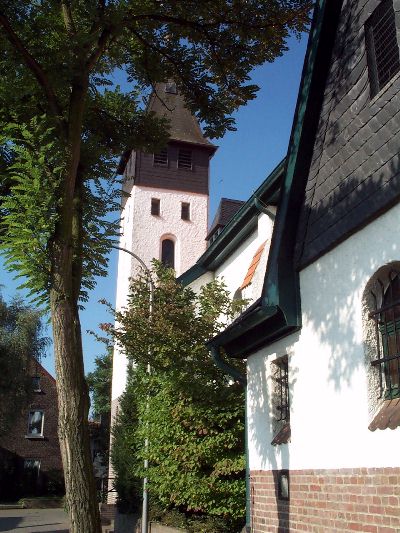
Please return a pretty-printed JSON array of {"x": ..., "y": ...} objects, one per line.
[{"x": 73, "y": 404}]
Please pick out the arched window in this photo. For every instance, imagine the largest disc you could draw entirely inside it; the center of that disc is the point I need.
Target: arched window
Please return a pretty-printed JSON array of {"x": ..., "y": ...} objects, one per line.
[
  {"x": 386, "y": 296},
  {"x": 168, "y": 253}
]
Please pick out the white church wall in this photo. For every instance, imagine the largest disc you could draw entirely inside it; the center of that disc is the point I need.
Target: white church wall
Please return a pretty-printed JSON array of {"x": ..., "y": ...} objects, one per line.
[
  {"x": 328, "y": 371},
  {"x": 234, "y": 268}
]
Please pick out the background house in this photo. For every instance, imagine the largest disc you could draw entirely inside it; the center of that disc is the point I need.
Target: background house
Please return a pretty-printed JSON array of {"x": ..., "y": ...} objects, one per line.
[{"x": 30, "y": 451}]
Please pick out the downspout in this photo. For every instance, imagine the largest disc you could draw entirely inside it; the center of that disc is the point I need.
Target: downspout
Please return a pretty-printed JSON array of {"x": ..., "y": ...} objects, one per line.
[{"x": 237, "y": 376}]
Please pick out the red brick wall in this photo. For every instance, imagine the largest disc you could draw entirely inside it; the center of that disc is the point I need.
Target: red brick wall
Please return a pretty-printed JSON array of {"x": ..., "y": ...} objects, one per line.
[
  {"x": 352, "y": 499},
  {"x": 48, "y": 448}
]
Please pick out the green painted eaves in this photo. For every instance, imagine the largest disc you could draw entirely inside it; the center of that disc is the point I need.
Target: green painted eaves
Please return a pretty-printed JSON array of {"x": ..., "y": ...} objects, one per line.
[
  {"x": 278, "y": 311},
  {"x": 239, "y": 227}
]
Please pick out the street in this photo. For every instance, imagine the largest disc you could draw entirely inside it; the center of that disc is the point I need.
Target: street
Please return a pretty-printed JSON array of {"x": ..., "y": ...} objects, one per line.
[{"x": 34, "y": 520}]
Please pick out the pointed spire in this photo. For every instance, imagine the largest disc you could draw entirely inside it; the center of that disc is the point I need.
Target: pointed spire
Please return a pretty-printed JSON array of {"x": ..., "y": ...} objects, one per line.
[{"x": 167, "y": 102}]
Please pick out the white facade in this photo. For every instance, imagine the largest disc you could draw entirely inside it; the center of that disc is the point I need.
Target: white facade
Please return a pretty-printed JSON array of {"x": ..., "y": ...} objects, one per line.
[
  {"x": 234, "y": 268},
  {"x": 331, "y": 402}
]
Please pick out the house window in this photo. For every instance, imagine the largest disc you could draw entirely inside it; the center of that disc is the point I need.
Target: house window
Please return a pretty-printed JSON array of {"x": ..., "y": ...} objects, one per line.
[
  {"x": 36, "y": 384},
  {"x": 32, "y": 466},
  {"x": 160, "y": 159},
  {"x": 35, "y": 423},
  {"x": 185, "y": 211},
  {"x": 386, "y": 316},
  {"x": 184, "y": 158},
  {"x": 382, "y": 46},
  {"x": 168, "y": 253},
  {"x": 155, "y": 207}
]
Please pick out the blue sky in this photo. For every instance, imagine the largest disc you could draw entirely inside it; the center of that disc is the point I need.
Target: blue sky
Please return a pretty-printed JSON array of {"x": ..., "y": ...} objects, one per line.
[{"x": 244, "y": 159}]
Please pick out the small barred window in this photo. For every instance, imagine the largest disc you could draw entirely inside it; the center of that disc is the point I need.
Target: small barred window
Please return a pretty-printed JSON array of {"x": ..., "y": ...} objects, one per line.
[
  {"x": 281, "y": 378},
  {"x": 386, "y": 295},
  {"x": 382, "y": 46},
  {"x": 185, "y": 159},
  {"x": 280, "y": 401}
]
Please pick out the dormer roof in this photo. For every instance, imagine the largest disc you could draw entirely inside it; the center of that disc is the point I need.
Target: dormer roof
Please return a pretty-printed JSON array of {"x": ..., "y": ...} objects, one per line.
[{"x": 227, "y": 209}]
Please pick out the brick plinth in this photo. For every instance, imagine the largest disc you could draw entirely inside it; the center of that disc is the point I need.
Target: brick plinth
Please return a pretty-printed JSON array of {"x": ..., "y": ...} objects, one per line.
[{"x": 352, "y": 499}]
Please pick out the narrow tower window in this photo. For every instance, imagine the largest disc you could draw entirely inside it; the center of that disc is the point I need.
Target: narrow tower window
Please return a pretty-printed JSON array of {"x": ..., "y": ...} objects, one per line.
[
  {"x": 382, "y": 46},
  {"x": 168, "y": 253},
  {"x": 185, "y": 211},
  {"x": 155, "y": 207},
  {"x": 161, "y": 158},
  {"x": 184, "y": 158}
]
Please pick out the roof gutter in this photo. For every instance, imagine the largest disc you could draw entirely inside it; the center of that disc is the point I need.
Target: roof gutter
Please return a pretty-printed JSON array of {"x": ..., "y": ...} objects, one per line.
[{"x": 278, "y": 312}]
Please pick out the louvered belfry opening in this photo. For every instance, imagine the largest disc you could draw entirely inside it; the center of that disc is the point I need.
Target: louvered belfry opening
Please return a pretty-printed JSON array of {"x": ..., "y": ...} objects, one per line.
[
  {"x": 161, "y": 158},
  {"x": 382, "y": 46},
  {"x": 386, "y": 295},
  {"x": 184, "y": 158}
]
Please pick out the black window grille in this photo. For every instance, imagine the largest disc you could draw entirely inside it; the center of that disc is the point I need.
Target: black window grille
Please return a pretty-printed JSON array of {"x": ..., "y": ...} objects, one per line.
[
  {"x": 185, "y": 159},
  {"x": 382, "y": 46},
  {"x": 281, "y": 377},
  {"x": 185, "y": 211},
  {"x": 386, "y": 295},
  {"x": 155, "y": 207},
  {"x": 161, "y": 158},
  {"x": 168, "y": 253}
]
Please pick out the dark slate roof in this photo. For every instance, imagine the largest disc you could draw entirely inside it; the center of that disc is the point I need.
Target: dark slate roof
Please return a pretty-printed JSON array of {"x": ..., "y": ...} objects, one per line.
[
  {"x": 227, "y": 209},
  {"x": 354, "y": 173},
  {"x": 183, "y": 124}
]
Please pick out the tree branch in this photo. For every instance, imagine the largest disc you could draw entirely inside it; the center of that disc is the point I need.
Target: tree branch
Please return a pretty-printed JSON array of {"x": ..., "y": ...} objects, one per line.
[
  {"x": 201, "y": 26},
  {"x": 67, "y": 16},
  {"x": 101, "y": 46},
  {"x": 33, "y": 66}
]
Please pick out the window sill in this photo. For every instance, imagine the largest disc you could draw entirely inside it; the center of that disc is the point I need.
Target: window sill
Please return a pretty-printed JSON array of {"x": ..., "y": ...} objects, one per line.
[
  {"x": 388, "y": 415},
  {"x": 283, "y": 435},
  {"x": 34, "y": 437}
]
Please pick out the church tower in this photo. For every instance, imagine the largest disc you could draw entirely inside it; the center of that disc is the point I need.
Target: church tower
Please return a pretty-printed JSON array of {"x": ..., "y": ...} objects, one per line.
[{"x": 165, "y": 206}]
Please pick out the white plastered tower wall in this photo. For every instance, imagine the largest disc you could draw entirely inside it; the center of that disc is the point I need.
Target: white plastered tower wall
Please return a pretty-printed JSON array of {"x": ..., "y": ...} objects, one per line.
[
  {"x": 328, "y": 370},
  {"x": 142, "y": 233},
  {"x": 179, "y": 184}
]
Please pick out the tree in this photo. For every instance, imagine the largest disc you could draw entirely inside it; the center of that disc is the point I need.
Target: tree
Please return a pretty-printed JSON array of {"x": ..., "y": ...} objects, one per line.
[
  {"x": 21, "y": 343},
  {"x": 64, "y": 121},
  {"x": 99, "y": 382},
  {"x": 192, "y": 414}
]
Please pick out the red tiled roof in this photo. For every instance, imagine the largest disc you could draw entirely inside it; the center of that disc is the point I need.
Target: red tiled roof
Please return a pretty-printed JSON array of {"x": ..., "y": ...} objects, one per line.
[
  {"x": 388, "y": 416},
  {"x": 253, "y": 266}
]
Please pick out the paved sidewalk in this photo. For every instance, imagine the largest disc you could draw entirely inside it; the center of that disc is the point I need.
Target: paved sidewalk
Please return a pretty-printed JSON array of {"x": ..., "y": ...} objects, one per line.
[{"x": 34, "y": 520}]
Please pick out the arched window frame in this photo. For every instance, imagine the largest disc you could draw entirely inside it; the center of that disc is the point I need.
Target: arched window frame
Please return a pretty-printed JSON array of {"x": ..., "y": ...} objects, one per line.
[
  {"x": 385, "y": 293},
  {"x": 170, "y": 238}
]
